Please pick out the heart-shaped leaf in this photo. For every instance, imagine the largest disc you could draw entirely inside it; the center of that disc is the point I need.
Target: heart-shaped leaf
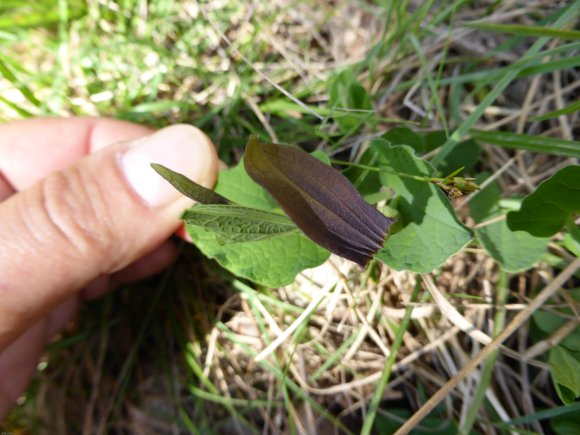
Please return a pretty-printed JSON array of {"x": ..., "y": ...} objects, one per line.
[
  {"x": 544, "y": 211},
  {"x": 431, "y": 232},
  {"x": 513, "y": 250}
]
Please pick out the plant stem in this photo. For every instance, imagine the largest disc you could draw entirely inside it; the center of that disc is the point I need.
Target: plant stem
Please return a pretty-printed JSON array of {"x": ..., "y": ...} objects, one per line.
[{"x": 388, "y": 171}]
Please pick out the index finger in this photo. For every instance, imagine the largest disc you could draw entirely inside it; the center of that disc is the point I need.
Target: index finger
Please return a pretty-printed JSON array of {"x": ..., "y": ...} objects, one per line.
[{"x": 33, "y": 148}]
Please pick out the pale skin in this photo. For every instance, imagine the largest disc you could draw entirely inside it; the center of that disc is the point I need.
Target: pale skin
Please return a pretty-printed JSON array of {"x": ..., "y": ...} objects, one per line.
[{"x": 81, "y": 214}]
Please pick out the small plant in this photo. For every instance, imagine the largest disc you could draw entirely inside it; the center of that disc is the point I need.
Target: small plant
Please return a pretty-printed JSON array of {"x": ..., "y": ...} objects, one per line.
[
  {"x": 323, "y": 205},
  {"x": 488, "y": 294}
]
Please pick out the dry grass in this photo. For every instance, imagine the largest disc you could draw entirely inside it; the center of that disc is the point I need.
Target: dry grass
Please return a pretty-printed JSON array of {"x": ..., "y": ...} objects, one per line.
[{"x": 200, "y": 351}]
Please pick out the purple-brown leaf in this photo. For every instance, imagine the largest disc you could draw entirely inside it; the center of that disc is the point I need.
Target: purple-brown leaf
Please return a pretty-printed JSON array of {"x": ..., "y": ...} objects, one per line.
[{"x": 319, "y": 199}]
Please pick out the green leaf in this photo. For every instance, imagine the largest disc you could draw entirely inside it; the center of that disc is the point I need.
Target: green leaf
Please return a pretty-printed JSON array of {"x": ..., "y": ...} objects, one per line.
[
  {"x": 566, "y": 425},
  {"x": 572, "y": 108},
  {"x": 565, "y": 371},
  {"x": 548, "y": 323},
  {"x": 236, "y": 184},
  {"x": 350, "y": 102},
  {"x": 518, "y": 29},
  {"x": 537, "y": 144},
  {"x": 431, "y": 232},
  {"x": 188, "y": 187},
  {"x": 421, "y": 142},
  {"x": 406, "y": 136},
  {"x": 273, "y": 262},
  {"x": 367, "y": 182},
  {"x": 513, "y": 250},
  {"x": 465, "y": 155},
  {"x": 236, "y": 224},
  {"x": 572, "y": 243},
  {"x": 565, "y": 413},
  {"x": 545, "y": 211}
]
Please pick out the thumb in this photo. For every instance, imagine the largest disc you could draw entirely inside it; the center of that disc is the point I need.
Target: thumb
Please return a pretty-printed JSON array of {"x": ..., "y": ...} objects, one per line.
[{"x": 92, "y": 218}]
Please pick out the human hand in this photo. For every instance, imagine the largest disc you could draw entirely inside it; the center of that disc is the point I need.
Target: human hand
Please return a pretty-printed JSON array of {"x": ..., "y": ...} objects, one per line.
[{"x": 81, "y": 210}]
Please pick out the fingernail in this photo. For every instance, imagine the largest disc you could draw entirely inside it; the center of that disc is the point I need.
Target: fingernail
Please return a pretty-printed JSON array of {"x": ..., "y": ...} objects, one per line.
[{"x": 182, "y": 148}]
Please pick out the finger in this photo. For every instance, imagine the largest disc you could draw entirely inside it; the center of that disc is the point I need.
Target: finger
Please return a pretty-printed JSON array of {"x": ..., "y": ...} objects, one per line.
[
  {"x": 145, "y": 267},
  {"x": 92, "y": 218},
  {"x": 148, "y": 265},
  {"x": 6, "y": 188},
  {"x": 19, "y": 360},
  {"x": 34, "y": 148}
]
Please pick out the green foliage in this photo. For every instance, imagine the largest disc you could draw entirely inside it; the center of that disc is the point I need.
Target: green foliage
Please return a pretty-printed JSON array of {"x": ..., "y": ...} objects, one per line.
[
  {"x": 366, "y": 181},
  {"x": 350, "y": 102},
  {"x": 547, "y": 323},
  {"x": 571, "y": 108},
  {"x": 545, "y": 211},
  {"x": 518, "y": 29},
  {"x": 235, "y": 224},
  {"x": 436, "y": 424},
  {"x": 500, "y": 84},
  {"x": 537, "y": 144},
  {"x": 465, "y": 155},
  {"x": 159, "y": 63},
  {"x": 430, "y": 231},
  {"x": 564, "y": 359},
  {"x": 421, "y": 142},
  {"x": 406, "y": 136},
  {"x": 188, "y": 187},
  {"x": 236, "y": 184},
  {"x": 566, "y": 424},
  {"x": 513, "y": 250},
  {"x": 565, "y": 370},
  {"x": 15, "y": 14},
  {"x": 272, "y": 262}
]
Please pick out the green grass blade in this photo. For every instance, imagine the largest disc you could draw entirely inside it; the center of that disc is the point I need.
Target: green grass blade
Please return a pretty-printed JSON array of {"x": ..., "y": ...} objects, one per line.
[
  {"x": 537, "y": 144},
  {"x": 548, "y": 67},
  {"x": 517, "y": 29},
  {"x": 501, "y": 85},
  {"x": 9, "y": 75},
  {"x": 332, "y": 359},
  {"x": 548, "y": 413},
  {"x": 377, "y": 397},
  {"x": 487, "y": 372},
  {"x": 281, "y": 376},
  {"x": 436, "y": 100},
  {"x": 574, "y": 107},
  {"x": 22, "y": 112},
  {"x": 529, "y": 66},
  {"x": 221, "y": 399},
  {"x": 191, "y": 361}
]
